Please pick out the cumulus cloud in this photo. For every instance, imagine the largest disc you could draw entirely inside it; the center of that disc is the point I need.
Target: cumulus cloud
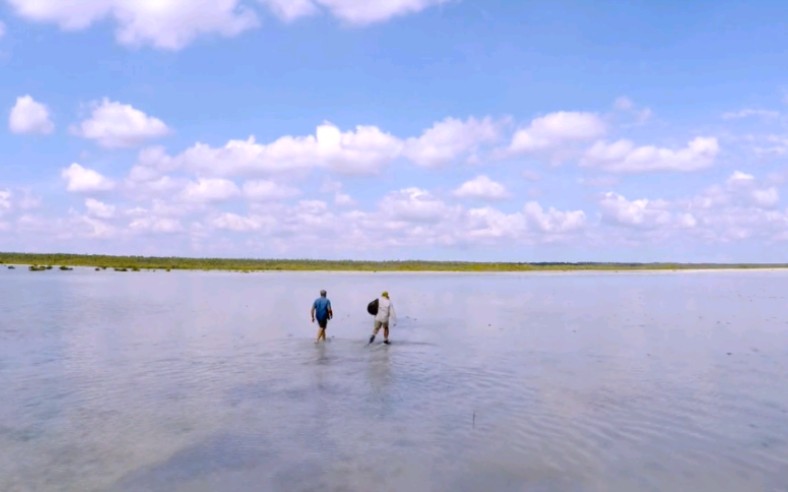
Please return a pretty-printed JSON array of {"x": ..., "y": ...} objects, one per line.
[
  {"x": 362, "y": 150},
  {"x": 415, "y": 205},
  {"x": 29, "y": 116},
  {"x": 554, "y": 221},
  {"x": 173, "y": 24},
  {"x": 154, "y": 224},
  {"x": 351, "y": 11},
  {"x": 770, "y": 144},
  {"x": 101, "y": 210},
  {"x": 488, "y": 225},
  {"x": 166, "y": 24},
  {"x": 343, "y": 200},
  {"x": 82, "y": 180},
  {"x": 744, "y": 187},
  {"x": 5, "y": 200},
  {"x": 289, "y": 10},
  {"x": 116, "y": 125},
  {"x": 625, "y": 105},
  {"x": 210, "y": 190},
  {"x": 266, "y": 190},
  {"x": 234, "y": 222},
  {"x": 557, "y": 129},
  {"x": 641, "y": 213},
  {"x": 482, "y": 187},
  {"x": 740, "y": 208},
  {"x": 450, "y": 139},
  {"x": 624, "y": 156}
]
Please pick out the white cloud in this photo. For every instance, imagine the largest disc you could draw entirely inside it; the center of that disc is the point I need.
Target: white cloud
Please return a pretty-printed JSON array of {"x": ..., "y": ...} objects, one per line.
[
  {"x": 82, "y": 180},
  {"x": 97, "y": 228},
  {"x": 155, "y": 224},
  {"x": 29, "y": 200},
  {"x": 635, "y": 213},
  {"x": 30, "y": 116},
  {"x": 744, "y": 187},
  {"x": 488, "y": 225},
  {"x": 344, "y": 200},
  {"x": 415, "y": 205},
  {"x": 450, "y": 139},
  {"x": 116, "y": 125},
  {"x": 206, "y": 190},
  {"x": 482, "y": 187},
  {"x": 766, "y": 198},
  {"x": 624, "y": 104},
  {"x": 624, "y": 156},
  {"x": 363, "y": 150},
  {"x": 5, "y": 201},
  {"x": 96, "y": 208},
  {"x": 554, "y": 221},
  {"x": 351, "y": 11},
  {"x": 234, "y": 222},
  {"x": 173, "y": 24},
  {"x": 739, "y": 178},
  {"x": 740, "y": 209},
  {"x": 166, "y": 24},
  {"x": 289, "y": 10},
  {"x": 556, "y": 129},
  {"x": 751, "y": 113},
  {"x": 265, "y": 190},
  {"x": 771, "y": 145},
  {"x": 340, "y": 198}
]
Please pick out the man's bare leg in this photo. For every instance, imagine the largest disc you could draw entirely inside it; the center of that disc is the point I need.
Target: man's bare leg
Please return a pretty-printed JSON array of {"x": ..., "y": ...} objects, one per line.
[
  {"x": 321, "y": 333},
  {"x": 386, "y": 334},
  {"x": 374, "y": 333}
]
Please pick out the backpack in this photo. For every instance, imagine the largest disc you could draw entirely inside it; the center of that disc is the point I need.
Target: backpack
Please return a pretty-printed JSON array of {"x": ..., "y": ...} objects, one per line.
[{"x": 372, "y": 307}]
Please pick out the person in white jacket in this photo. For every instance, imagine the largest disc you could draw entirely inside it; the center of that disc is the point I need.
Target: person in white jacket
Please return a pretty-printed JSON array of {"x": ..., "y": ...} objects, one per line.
[{"x": 385, "y": 315}]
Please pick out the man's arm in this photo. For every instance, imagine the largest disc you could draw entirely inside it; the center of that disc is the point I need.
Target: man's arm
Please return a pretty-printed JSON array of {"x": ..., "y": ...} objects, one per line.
[
  {"x": 312, "y": 312},
  {"x": 330, "y": 311}
]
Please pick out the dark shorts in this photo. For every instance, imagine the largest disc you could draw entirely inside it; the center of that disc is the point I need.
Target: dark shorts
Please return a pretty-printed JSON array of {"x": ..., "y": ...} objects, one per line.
[{"x": 322, "y": 323}]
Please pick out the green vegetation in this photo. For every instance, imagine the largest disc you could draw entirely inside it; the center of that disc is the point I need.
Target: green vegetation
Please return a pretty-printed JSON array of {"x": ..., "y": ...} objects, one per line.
[{"x": 136, "y": 263}]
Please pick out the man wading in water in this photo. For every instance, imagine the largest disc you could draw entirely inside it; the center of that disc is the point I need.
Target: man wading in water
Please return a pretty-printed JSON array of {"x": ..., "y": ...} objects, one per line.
[
  {"x": 321, "y": 310},
  {"x": 385, "y": 312}
]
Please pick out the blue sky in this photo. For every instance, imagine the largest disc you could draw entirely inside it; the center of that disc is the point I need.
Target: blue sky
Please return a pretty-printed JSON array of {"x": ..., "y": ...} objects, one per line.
[{"x": 398, "y": 129}]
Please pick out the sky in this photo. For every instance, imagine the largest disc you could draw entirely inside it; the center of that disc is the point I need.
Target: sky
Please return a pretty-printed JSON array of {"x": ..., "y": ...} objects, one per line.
[{"x": 494, "y": 130}]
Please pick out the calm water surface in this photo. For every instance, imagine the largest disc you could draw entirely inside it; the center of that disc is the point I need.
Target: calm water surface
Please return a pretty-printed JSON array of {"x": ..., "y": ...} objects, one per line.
[{"x": 197, "y": 381}]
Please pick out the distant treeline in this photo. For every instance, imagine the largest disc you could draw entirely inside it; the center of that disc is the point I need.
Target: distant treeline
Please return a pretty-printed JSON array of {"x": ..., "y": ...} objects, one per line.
[{"x": 134, "y": 263}]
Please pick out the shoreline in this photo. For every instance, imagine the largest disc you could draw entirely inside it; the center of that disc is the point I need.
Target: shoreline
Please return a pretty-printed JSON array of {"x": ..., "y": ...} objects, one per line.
[{"x": 140, "y": 263}]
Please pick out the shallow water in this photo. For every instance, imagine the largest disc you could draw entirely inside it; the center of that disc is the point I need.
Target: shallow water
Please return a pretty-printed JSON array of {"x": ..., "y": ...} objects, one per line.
[{"x": 194, "y": 381}]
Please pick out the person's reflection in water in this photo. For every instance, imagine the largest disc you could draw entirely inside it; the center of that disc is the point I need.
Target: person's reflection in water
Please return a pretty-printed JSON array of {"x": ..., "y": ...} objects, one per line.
[{"x": 380, "y": 378}]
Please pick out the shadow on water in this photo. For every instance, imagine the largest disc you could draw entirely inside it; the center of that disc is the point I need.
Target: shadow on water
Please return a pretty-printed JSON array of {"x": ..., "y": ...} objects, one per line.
[{"x": 216, "y": 455}]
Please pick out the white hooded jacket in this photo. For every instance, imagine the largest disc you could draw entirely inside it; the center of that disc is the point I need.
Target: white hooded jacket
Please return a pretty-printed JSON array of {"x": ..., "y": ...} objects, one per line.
[{"x": 385, "y": 310}]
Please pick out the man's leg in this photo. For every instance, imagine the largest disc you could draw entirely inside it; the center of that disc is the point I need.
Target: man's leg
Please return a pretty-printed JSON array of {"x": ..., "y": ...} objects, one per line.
[
  {"x": 374, "y": 331},
  {"x": 386, "y": 333}
]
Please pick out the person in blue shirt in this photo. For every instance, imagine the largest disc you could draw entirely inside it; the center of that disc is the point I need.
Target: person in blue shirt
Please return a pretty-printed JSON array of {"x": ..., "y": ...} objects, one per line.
[{"x": 321, "y": 311}]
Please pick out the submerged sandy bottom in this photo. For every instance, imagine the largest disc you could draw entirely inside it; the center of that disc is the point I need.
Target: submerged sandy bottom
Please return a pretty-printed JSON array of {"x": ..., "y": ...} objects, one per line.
[{"x": 210, "y": 381}]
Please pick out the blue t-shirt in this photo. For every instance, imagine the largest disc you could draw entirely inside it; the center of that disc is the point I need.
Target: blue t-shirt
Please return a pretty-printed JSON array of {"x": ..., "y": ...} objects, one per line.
[{"x": 321, "y": 306}]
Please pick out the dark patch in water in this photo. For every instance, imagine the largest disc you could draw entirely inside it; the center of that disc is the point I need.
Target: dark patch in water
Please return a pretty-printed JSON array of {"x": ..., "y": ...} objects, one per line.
[{"x": 222, "y": 453}]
